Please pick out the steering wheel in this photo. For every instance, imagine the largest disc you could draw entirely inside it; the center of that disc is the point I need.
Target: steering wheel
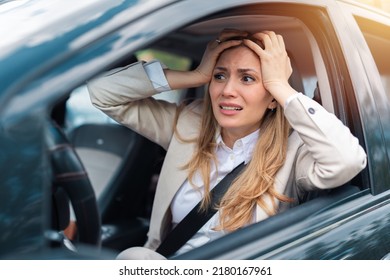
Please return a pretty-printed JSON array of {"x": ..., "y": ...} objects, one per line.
[{"x": 70, "y": 183}]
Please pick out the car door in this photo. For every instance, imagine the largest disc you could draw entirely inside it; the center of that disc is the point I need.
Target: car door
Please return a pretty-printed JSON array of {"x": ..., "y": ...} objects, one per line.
[{"x": 353, "y": 226}]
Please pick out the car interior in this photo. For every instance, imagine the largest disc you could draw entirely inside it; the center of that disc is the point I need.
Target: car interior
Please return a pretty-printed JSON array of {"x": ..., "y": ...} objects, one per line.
[{"x": 123, "y": 166}]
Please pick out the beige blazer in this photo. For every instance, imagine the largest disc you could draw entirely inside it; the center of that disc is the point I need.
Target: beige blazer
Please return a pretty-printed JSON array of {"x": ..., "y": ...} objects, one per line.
[{"x": 322, "y": 153}]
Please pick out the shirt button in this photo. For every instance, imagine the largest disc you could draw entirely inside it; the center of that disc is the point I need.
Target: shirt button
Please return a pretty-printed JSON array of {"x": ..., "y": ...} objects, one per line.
[
  {"x": 231, "y": 157},
  {"x": 311, "y": 110},
  {"x": 239, "y": 144}
]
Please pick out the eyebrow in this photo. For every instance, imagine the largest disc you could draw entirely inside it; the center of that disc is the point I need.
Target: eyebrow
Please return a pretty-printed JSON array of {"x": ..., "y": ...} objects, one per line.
[
  {"x": 247, "y": 70},
  {"x": 241, "y": 70}
]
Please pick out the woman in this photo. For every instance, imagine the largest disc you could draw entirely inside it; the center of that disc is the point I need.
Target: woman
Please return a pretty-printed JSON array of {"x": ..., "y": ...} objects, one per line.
[{"x": 289, "y": 143}]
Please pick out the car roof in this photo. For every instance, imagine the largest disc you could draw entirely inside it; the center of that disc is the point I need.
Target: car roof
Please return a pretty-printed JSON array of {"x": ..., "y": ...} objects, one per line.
[
  {"x": 31, "y": 18},
  {"x": 46, "y": 32},
  {"x": 41, "y": 33}
]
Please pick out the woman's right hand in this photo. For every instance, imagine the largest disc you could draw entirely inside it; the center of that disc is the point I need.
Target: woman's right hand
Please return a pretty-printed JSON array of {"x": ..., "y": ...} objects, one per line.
[
  {"x": 227, "y": 38},
  {"x": 203, "y": 73}
]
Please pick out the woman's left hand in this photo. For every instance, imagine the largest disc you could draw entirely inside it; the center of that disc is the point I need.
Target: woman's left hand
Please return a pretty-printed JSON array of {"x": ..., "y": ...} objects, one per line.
[{"x": 275, "y": 63}]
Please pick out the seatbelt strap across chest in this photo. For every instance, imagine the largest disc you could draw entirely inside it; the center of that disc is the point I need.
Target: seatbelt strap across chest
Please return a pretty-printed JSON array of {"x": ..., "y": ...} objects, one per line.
[{"x": 196, "y": 218}]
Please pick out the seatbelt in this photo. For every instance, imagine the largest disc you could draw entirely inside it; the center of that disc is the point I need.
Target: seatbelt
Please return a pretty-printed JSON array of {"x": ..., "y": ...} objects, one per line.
[{"x": 196, "y": 218}]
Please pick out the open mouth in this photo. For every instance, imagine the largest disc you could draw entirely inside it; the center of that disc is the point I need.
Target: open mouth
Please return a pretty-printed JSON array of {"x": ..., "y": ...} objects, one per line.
[{"x": 230, "y": 108}]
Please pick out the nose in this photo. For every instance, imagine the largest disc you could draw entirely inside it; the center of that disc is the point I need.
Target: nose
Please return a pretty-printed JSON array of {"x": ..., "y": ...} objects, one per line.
[{"x": 229, "y": 89}]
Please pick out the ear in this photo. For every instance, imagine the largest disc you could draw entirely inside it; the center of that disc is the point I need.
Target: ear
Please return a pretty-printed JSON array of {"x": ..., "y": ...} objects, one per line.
[{"x": 272, "y": 105}]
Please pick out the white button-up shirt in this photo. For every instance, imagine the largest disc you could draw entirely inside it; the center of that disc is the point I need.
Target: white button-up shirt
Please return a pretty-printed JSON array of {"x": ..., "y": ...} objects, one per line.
[{"x": 189, "y": 196}]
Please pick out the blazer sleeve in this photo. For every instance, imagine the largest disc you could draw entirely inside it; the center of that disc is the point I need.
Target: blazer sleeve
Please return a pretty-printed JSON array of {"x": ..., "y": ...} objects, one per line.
[
  {"x": 125, "y": 94},
  {"x": 330, "y": 155}
]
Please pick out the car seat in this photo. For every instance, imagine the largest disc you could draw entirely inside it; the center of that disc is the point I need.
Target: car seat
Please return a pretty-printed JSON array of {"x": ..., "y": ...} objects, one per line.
[{"x": 121, "y": 165}]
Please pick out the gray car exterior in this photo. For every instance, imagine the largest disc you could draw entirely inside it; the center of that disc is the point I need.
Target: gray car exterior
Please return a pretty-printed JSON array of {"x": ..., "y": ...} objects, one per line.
[{"x": 49, "y": 48}]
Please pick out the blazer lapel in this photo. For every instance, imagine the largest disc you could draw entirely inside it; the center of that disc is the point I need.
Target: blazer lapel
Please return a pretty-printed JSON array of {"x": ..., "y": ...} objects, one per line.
[{"x": 173, "y": 174}]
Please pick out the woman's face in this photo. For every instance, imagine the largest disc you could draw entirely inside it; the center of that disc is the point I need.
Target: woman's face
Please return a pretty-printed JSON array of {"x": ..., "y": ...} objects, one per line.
[{"x": 238, "y": 97}]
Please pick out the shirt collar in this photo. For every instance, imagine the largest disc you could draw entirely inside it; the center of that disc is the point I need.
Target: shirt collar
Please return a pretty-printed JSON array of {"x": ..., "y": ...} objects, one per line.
[{"x": 246, "y": 144}]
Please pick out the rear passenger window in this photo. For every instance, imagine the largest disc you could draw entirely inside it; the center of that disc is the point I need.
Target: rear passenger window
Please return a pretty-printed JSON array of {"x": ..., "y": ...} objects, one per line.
[
  {"x": 79, "y": 109},
  {"x": 378, "y": 39}
]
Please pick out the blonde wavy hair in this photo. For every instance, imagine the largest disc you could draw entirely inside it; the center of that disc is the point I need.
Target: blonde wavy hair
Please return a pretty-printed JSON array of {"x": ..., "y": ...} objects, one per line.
[{"x": 255, "y": 185}]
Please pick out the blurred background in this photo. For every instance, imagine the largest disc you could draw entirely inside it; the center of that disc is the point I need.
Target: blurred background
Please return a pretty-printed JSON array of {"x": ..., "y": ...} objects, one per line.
[{"x": 381, "y": 4}]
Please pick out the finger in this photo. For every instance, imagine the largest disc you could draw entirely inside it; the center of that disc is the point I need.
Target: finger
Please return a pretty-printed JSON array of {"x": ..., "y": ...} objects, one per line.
[
  {"x": 290, "y": 69},
  {"x": 254, "y": 46},
  {"x": 276, "y": 39},
  {"x": 272, "y": 35},
  {"x": 281, "y": 42},
  {"x": 269, "y": 33},
  {"x": 219, "y": 40},
  {"x": 265, "y": 38},
  {"x": 228, "y": 44}
]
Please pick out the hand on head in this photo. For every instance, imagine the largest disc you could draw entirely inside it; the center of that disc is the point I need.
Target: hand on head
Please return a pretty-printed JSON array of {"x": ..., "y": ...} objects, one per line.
[
  {"x": 275, "y": 63},
  {"x": 227, "y": 38}
]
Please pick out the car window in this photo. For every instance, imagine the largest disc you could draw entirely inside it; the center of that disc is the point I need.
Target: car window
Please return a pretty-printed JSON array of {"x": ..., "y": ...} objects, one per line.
[
  {"x": 378, "y": 39},
  {"x": 79, "y": 109}
]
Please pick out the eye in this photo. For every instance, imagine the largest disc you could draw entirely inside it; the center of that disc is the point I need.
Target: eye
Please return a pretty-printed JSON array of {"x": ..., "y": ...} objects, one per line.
[
  {"x": 248, "y": 79},
  {"x": 219, "y": 76}
]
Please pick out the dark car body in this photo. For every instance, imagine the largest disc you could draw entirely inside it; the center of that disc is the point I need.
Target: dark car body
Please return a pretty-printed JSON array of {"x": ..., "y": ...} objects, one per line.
[{"x": 50, "y": 48}]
